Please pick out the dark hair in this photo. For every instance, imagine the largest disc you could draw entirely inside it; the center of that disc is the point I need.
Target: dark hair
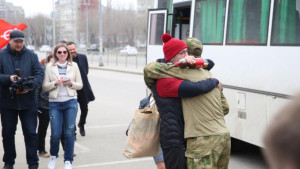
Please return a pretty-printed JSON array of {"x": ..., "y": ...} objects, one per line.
[
  {"x": 49, "y": 57},
  {"x": 71, "y": 43},
  {"x": 282, "y": 137},
  {"x": 69, "y": 58}
]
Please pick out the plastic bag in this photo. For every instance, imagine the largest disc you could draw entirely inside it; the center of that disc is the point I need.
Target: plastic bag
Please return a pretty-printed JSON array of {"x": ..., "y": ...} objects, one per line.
[{"x": 143, "y": 136}]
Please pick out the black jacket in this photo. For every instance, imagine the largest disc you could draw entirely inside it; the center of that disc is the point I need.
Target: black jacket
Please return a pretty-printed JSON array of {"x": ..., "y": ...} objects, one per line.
[
  {"x": 42, "y": 96},
  {"x": 83, "y": 65},
  {"x": 170, "y": 110},
  {"x": 172, "y": 122},
  {"x": 43, "y": 99},
  {"x": 27, "y": 61}
]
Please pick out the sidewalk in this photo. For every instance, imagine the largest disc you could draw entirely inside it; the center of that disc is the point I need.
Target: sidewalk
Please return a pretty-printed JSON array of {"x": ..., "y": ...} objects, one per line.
[{"x": 122, "y": 69}]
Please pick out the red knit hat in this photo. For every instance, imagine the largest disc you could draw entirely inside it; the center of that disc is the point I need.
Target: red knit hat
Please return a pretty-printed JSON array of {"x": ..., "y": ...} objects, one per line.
[{"x": 172, "y": 46}]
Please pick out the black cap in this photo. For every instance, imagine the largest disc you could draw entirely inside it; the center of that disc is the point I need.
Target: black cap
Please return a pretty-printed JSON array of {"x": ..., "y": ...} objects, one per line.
[{"x": 16, "y": 35}]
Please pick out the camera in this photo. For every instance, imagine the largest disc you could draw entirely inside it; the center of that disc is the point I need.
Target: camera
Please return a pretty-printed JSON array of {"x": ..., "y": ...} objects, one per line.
[{"x": 20, "y": 85}]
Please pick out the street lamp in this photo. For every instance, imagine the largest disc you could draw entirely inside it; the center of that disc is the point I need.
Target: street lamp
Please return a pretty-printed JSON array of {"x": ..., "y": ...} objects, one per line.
[
  {"x": 87, "y": 3},
  {"x": 100, "y": 34},
  {"x": 53, "y": 22}
]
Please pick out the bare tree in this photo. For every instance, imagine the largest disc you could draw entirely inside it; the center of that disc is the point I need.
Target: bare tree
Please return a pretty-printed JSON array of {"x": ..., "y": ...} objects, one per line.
[
  {"x": 122, "y": 25},
  {"x": 36, "y": 31}
]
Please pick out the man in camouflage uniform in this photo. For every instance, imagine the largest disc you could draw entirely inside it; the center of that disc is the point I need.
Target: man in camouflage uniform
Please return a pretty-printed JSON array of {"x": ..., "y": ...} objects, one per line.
[
  {"x": 208, "y": 139},
  {"x": 220, "y": 146}
]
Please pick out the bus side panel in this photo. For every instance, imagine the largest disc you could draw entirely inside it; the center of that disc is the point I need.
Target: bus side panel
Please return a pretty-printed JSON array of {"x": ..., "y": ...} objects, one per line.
[
  {"x": 247, "y": 116},
  {"x": 274, "y": 105},
  {"x": 263, "y": 68},
  {"x": 250, "y": 114},
  {"x": 154, "y": 52}
]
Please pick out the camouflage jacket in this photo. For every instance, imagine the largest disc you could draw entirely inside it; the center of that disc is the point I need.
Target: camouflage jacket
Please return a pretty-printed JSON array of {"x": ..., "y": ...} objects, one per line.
[{"x": 156, "y": 70}]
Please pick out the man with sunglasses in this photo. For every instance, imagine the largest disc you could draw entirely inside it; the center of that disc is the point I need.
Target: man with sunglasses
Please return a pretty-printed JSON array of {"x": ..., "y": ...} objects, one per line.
[
  {"x": 17, "y": 63},
  {"x": 85, "y": 95}
]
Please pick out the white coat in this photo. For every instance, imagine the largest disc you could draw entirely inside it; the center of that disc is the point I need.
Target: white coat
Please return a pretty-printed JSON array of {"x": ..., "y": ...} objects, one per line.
[{"x": 52, "y": 74}]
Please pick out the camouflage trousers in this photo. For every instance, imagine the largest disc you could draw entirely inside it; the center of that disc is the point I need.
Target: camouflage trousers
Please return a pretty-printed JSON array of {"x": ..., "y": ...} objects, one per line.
[{"x": 208, "y": 152}]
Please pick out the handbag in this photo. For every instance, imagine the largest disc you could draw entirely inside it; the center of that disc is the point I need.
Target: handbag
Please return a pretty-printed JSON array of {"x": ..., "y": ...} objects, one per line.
[
  {"x": 145, "y": 102},
  {"x": 143, "y": 135}
]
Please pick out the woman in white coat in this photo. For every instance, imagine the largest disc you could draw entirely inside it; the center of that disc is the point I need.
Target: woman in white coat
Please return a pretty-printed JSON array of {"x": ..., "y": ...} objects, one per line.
[{"x": 62, "y": 79}]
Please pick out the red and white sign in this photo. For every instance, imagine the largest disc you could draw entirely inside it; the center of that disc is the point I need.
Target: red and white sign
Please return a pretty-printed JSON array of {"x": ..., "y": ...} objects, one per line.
[{"x": 5, "y": 29}]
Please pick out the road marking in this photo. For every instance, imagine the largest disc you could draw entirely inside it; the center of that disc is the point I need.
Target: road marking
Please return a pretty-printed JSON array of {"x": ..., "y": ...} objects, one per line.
[
  {"x": 82, "y": 148},
  {"x": 90, "y": 127},
  {"x": 112, "y": 163}
]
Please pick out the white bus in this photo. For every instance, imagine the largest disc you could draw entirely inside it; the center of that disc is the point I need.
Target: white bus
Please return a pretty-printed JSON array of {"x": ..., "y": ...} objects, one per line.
[{"x": 255, "y": 45}]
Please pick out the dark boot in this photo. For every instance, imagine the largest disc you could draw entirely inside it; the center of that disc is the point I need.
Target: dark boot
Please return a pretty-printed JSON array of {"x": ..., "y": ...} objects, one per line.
[
  {"x": 81, "y": 130},
  {"x": 8, "y": 166}
]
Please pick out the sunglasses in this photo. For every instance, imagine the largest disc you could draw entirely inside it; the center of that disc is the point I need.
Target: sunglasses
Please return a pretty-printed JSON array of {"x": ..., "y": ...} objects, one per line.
[
  {"x": 60, "y": 52},
  {"x": 183, "y": 52}
]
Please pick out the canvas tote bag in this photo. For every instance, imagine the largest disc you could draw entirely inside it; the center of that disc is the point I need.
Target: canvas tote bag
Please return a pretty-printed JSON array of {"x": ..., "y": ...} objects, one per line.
[{"x": 143, "y": 135}]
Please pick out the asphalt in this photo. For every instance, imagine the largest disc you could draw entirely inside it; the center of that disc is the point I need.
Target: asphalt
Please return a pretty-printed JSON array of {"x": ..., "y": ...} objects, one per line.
[{"x": 129, "y": 70}]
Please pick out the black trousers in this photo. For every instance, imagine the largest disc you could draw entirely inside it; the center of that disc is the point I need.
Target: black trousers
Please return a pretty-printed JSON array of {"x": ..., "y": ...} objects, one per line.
[
  {"x": 174, "y": 157},
  {"x": 42, "y": 128},
  {"x": 9, "y": 121},
  {"x": 83, "y": 107}
]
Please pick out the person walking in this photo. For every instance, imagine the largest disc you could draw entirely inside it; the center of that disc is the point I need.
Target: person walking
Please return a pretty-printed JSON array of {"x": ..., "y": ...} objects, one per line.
[
  {"x": 17, "y": 64},
  {"x": 43, "y": 113},
  {"x": 62, "y": 79},
  {"x": 85, "y": 95}
]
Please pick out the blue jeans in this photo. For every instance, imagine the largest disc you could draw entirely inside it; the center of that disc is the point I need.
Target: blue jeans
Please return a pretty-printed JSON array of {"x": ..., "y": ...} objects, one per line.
[
  {"x": 63, "y": 114},
  {"x": 159, "y": 157},
  {"x": 9, "y": 120}
]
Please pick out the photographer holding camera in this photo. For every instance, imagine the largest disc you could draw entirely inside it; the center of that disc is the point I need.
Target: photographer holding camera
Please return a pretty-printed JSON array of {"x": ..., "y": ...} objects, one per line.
[{"x": 20, "y": 74}]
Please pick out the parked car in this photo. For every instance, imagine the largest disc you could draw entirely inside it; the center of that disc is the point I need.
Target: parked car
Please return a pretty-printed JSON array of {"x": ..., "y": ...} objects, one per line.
[
  {"x": 82, "y": 46},
  {"x": 129, "y": 50},
  {"x": 30, "y": 47},
  {"x": 94, "y": 47},
  {"x": 45, "y": 48}
]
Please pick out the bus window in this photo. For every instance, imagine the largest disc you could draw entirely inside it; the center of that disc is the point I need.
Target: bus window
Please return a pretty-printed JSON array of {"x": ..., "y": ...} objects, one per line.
[
  {"x": 168, "y": 4},
  {"x": 156, "y": 29},
  {"x": 248, "y": 22},
  {"x": 164, "y": 3},
  {"x": 182, "y": 22},
  {"x": 209, "y": 21},
  {"x": 286, "y": 23}
]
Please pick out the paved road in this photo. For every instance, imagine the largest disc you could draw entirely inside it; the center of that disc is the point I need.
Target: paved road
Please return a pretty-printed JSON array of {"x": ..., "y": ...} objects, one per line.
[{"x": 117, "y": 96}]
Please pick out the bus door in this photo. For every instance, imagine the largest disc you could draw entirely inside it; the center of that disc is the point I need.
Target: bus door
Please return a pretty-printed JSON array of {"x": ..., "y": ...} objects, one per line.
[
  {"x": 157, "y": 24},
  {"x": 181, "y": 20}
]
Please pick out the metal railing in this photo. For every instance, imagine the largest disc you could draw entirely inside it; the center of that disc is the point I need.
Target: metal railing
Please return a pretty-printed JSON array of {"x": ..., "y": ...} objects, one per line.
[
  {"x": 114, "y": 58},
  {"x": 111, "y": 58}
]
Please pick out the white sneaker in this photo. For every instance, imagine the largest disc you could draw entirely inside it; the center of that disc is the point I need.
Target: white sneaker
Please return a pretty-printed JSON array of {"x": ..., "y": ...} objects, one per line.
[
  {"x": 51, "y": 164},
  {"x": 68, "y": 165}
]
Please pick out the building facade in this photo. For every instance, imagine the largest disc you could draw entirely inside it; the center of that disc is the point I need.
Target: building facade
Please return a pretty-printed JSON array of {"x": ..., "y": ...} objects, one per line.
[
  {"x": 65, "y": 20},
  {"x": 77, "y": 20},
  {"x": 143, "y": 5},
  {"x": 10, "y": 13}
]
